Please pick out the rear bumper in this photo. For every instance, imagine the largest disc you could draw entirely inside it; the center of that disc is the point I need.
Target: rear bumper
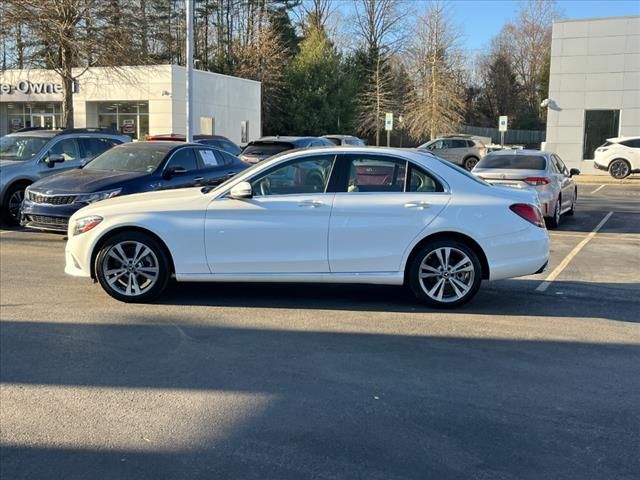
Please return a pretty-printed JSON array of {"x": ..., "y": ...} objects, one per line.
[
  {"x": 600, "y": 167},
  {"x": 518, "y": 254}
]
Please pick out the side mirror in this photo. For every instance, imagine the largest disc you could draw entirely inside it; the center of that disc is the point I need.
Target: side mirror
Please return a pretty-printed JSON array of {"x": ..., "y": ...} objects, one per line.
[
  {"x": 241, "y": 191},
  {"x": 173, "y": 171},
  {"x": 54, "y": 158},
  {"x": 574, "y": 171}
]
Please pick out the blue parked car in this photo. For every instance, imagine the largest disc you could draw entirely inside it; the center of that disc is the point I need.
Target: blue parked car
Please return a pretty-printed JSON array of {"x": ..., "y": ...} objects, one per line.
[{"x": 125, "y": 169}]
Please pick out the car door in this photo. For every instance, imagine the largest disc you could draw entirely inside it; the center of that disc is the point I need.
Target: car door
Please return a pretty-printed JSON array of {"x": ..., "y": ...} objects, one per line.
[
  {"x": 186, "y": 159},
  {"x": 70, "y": 151},
  {"x": 567, "y": 185},
  {"x": 281, "y": 229},
  {"x": 378, "y": 212}
]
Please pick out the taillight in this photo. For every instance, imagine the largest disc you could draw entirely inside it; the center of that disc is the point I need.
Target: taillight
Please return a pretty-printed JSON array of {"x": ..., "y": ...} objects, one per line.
[
  {"x": 535, "y": 181},
  {"x": 530, "y": 213},
  {"x": 483, "y": 151}
]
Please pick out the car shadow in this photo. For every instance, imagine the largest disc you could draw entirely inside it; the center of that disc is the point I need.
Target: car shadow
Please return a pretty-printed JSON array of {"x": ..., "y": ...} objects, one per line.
[{"x": 507, "y": 298}]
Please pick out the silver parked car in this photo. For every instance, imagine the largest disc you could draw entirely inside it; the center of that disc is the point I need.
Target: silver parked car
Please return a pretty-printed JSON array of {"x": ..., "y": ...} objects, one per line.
[
  {"x": 31, "y": 154},
  {"x": 463, "y": 150},
  {"x": 543, "y": 172}
]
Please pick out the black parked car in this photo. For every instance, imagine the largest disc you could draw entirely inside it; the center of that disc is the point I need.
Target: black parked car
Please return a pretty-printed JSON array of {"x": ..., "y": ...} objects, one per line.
[
  {"x": 129, "y": 168},
  {"x": 266, "y": 147}
]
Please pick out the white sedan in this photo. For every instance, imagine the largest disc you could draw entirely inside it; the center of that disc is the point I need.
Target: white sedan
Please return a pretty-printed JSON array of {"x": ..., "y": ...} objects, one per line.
[{"x": 340, "y": 215}]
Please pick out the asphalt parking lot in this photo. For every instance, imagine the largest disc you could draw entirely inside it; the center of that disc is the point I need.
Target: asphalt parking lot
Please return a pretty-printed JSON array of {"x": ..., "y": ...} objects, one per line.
[{"x": 531, "y": 380}]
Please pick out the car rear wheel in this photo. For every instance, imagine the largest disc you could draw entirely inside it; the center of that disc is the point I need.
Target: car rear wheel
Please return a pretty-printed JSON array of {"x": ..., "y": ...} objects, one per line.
[
  {"x": 554, "y": 220},
  {"x": 133, "y": 267},
  {"x": 12, "y": 204},
  {"x": 445, "y": 274},
  {"x": 470, "y": 162},
  {"x": 619, "y": 169}
]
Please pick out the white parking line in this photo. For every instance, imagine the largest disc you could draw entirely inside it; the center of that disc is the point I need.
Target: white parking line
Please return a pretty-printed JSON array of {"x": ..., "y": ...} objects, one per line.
[
  {"x": 558, "y": 270},
  {"x": 598, "y": 189},
  {"x": 2, "y": 232}
]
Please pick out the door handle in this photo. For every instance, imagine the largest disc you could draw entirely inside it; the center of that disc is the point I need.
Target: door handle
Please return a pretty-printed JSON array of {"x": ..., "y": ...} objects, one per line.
[
  {"x": 311, "y": 203},
  {"x": 421, "y": 205},
  {"x": 198, "y": 179}
]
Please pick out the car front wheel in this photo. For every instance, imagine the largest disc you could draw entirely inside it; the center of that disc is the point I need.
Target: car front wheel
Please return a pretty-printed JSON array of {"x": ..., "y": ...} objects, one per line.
[
  {"x": 445, "y": 274},
  {"x": 133, "y": 267},
  {"x": 619, "y": 169}
]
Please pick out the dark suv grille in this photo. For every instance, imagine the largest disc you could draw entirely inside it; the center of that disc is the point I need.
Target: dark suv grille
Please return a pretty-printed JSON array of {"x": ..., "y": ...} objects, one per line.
[
  {"x": 57, "y": 223},
  {"x": 51, "y": 199}
]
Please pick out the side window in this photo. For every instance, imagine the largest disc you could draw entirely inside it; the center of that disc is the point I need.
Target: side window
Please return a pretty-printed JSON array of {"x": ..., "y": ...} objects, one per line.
[
  {"x": 184, "y": 158},
  {"x": 372, "y": 173},
  {"x": 439, "y": 144},
  {"x": 210, "y": 158},
  {"x": 305, "y": 175},
  {"x": 459, "y": 143},
  {"x": 421, "y": 181},
  {"x": 631, "y": 143},
  {"x": 228, "y": 158},
  {"x": 561, "y": 166},
  {"x": 68, "y": 148}
]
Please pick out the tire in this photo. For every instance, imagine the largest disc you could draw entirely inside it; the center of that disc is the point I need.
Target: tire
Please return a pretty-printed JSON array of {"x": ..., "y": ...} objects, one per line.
[
  {"x": 11, "y": 211},
  {"x": 119, "y": 278},
  {"x": 554, "y": 221},
  {"x": 470, "y": 162},
  {"x": 572, "y": 210},
  {"x": 427, "y": 271},
  {"x": 619, "y": 169}
]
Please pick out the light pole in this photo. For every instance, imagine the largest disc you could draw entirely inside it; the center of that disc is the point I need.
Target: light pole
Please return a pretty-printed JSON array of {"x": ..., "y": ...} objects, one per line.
[{"x": 189, "y": 82}]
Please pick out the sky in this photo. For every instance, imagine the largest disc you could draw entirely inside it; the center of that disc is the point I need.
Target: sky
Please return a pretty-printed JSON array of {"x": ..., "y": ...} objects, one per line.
[{"x": 481, "y": 20}]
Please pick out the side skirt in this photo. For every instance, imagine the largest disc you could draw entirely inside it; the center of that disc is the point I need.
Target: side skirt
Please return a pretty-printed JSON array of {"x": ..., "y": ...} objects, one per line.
[{"x": 375, "y": 278}]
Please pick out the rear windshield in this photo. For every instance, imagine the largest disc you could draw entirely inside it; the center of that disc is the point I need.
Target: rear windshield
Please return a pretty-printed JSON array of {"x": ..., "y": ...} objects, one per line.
[
  {"x": 266, "y": 148},
  {"x": 513, "y": 162},
  {"x": 333, "y": 140}
]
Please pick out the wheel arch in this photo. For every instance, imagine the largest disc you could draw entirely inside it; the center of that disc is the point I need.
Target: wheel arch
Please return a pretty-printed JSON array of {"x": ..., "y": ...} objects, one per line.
[
  {"x": 128, "y": 228},
  {"x": 18, "y": 181},
  {"x": 466, "y": 239}
]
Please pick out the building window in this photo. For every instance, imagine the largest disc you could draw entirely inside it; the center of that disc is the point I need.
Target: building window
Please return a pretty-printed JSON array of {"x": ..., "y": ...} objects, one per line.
[
  {"x": 207, "y": 125},
  {"x": 598, "y": 126},
  {"x": 34, "y": 114},
  {"x": 244, "y": 131},
  {"x": 130, "y": 118}
]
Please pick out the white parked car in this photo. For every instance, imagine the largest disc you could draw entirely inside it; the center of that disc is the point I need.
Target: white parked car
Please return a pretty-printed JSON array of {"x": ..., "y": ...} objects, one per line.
[
  {"x": 619, "y": 156},
  {"x": 340, "y": 215}
]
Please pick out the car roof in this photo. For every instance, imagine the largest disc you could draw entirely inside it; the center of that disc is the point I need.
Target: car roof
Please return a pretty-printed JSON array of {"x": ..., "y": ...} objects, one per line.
[
  {"x": 287, "y": 139},
  {"x": 35, "y": 133},
  {"x": 45, "y": 133}
]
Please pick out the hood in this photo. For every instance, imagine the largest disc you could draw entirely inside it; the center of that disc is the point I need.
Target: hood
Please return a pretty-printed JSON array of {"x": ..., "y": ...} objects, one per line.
[
  {"x": 84, "y": 181},
  {"x": 180, "y": 199},
  {"x": 11, "y": 163}
]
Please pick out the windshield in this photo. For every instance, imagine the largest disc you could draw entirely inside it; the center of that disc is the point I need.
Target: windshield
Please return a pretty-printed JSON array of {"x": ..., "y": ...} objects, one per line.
[
  {"x": 513, "y": 162},
  {"x": 19, "y": 148},
  {"x": 141, "y": 158}
]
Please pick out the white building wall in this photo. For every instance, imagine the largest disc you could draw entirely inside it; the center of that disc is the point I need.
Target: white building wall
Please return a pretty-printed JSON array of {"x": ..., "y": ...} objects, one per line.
[
  {"x": 229, "y": 100},
  {"x": 595, "y": 64}
]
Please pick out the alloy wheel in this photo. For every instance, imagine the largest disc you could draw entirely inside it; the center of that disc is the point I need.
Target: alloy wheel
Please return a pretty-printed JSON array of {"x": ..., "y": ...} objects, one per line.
[
  {"x": 131, "y": 268},
  {"x": 619, "y": 169},
  {"x": 446, "y": 274},
  {"x": 15, "y": 203}
]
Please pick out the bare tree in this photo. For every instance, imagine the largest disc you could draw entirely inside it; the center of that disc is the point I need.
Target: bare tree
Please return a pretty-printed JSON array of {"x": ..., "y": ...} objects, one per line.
[
  {"x": 75, "y": 34},
  {"x": 377, "y": 24},
  {"x": 437, "y": 100},
  {"x": 527, "y": 41}
]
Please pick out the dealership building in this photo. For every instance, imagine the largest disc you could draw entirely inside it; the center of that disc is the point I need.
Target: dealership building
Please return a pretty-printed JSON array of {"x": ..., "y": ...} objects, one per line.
[
  {"x": 594, "y": 86},
  {"x": 138, "y": 101}
]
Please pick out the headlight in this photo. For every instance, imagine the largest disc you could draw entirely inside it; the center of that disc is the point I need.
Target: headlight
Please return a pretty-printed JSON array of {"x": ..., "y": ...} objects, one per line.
[
  {"x": 84, "y": 224},
  {"x": 96, "y": 196}
]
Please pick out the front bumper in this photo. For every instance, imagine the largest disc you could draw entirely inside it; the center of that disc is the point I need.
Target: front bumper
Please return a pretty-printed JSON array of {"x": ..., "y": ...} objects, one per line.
[{"x": 50, "y": 218}]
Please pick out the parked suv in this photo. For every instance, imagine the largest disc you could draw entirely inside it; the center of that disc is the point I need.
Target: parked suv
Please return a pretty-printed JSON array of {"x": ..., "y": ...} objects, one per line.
[
  {"x": 31, "y": 154},
  {"x": 266, "y": 147},
  {"x": 619, "y": 156},
  {"x": 463, "y": 150}
]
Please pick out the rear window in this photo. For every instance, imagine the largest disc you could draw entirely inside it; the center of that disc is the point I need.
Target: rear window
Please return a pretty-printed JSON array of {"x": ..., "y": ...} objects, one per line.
[
  {"x": 513, "y": 162},
  {"x": 335, "y": 141},
  {"x": 266, "y": 148}
]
